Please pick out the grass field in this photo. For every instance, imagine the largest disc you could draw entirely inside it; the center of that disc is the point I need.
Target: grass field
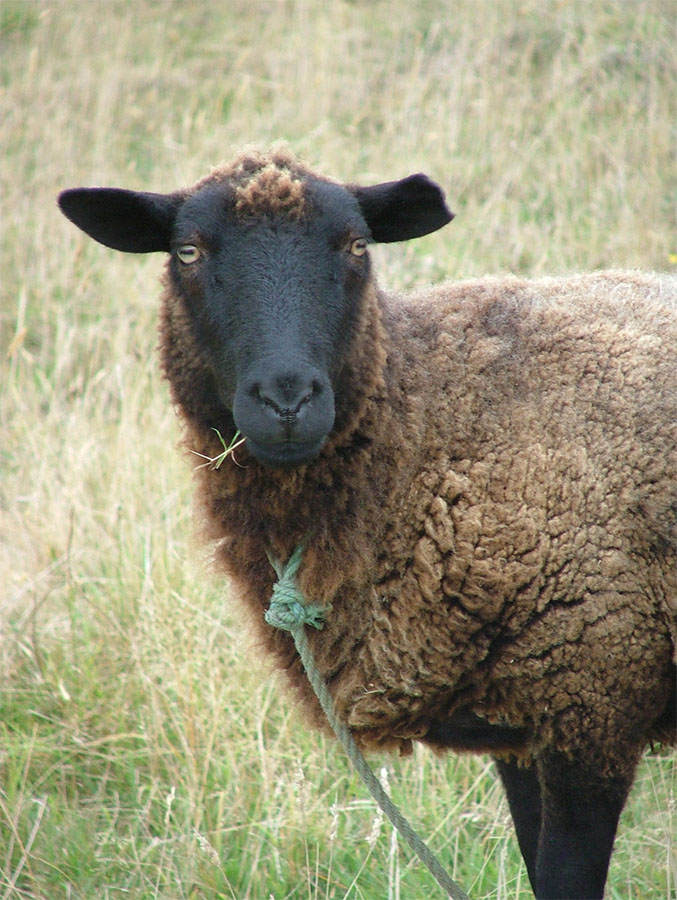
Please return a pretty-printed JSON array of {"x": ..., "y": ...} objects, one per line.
[{"x": 145, "y": 752}]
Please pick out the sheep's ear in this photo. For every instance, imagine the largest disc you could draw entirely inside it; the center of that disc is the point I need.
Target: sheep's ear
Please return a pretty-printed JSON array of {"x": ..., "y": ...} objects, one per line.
[
  {"x": 132, "y": 221},
  {"x": 399, "y": 210}
]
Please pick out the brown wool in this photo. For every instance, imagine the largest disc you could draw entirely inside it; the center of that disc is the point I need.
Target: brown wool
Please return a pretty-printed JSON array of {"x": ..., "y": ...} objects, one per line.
[
  {"x": 264, "y": 183},
  {"x": 271, "y": 191}
]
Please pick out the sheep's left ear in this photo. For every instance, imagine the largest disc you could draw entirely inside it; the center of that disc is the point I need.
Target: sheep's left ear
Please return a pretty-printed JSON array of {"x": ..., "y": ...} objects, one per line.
[
  {"x": 131, "y": 221},
  {"x": 399, "y": 210}
]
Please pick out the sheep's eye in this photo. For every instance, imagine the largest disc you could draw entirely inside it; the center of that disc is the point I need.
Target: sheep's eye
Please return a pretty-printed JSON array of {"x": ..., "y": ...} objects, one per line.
[
  {"x": 358, "y": 247},
  {"x": 188, "y": 253}
]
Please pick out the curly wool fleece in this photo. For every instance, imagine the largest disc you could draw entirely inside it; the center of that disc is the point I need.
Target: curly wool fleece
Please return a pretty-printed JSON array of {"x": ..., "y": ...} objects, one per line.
[{"x": 492, "y": 520}]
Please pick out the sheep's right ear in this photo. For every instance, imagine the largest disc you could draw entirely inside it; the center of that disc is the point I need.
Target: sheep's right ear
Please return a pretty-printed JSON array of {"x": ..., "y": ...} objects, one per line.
[{"x": 132, "y": 221}]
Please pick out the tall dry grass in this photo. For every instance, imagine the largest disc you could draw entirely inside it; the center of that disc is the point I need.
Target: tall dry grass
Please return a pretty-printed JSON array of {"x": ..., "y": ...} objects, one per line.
[{"x": 145, "y": 752}]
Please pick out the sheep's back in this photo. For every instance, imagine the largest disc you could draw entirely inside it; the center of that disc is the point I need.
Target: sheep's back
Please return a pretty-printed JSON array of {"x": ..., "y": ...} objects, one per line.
[{"x": 584, "y": 368}]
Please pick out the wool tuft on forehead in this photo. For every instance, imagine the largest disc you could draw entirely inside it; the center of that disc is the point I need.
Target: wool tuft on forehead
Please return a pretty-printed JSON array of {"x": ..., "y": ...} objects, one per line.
[{"x": 266, "y": 183}]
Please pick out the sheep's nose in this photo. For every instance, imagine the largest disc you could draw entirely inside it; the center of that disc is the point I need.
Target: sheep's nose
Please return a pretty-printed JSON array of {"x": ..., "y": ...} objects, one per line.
[
  {"x": 285, "y": 412},
  {"x": 286, "y": 395}
]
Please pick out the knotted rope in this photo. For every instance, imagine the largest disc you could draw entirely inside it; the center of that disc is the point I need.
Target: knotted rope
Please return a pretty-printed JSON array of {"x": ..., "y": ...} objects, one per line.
[{"x": 289, "y": 611}]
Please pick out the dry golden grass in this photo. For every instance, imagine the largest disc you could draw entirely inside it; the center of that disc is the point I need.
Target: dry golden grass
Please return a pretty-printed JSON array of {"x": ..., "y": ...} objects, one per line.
[{"x": 142, "y": 754}]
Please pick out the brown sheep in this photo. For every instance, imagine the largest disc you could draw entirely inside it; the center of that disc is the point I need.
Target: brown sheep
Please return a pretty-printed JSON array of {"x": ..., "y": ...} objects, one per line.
[{"x": 482, "y": 474}]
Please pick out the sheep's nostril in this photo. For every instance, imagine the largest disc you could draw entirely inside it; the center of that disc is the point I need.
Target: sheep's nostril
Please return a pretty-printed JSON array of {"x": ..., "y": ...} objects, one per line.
[{"x": 286, "y": 396}]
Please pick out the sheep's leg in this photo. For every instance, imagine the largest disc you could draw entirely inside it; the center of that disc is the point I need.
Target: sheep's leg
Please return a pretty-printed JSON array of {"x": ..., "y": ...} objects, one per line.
[
  {"x": 579, "y": 819},
  {"x": 524, "y": 798}
]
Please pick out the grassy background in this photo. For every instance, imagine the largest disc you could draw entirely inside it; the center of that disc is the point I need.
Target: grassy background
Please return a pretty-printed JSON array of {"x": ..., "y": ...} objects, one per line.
[{"x": 144, "y": 751}]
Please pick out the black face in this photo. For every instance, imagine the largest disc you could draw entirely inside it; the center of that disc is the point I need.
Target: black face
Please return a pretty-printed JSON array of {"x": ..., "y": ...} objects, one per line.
[
  {"x": 273, "y": 305},
  {"x": 272, "y": 298}
]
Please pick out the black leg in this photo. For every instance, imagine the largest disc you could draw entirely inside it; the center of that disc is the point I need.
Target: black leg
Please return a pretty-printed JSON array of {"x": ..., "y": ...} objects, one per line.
[
  {"x": 524, "y": 798},
  {"x": 579, "y": 819}
]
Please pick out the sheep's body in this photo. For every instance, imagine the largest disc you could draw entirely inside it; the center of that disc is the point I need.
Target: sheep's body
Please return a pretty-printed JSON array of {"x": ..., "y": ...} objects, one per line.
[
  {"x": 508, "y": 518},
  {"x": 482, "y": 475}
]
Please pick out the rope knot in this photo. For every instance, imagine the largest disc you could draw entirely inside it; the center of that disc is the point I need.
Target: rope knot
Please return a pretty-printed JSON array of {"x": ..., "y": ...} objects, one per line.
[{"x": 288, "y": 609}]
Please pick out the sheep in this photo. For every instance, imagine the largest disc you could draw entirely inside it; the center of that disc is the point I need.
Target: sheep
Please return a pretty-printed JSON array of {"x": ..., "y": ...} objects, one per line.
[{"x": 482, "y": 475}]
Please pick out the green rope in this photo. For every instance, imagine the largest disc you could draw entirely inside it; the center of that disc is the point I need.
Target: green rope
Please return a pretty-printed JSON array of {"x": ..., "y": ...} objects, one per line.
[{"x": 289, "y": 611}]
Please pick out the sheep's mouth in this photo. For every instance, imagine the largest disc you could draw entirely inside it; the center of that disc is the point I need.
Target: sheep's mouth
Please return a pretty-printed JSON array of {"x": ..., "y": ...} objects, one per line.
[{"x": 286, "y": 454}]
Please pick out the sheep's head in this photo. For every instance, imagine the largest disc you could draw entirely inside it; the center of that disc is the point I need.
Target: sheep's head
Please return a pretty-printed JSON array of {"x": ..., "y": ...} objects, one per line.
[{"x": 270, "y": 262}]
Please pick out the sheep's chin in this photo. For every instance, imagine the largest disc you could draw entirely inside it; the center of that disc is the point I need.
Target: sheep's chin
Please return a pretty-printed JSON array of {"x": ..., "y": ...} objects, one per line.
[{"x": 285, "y": 455}]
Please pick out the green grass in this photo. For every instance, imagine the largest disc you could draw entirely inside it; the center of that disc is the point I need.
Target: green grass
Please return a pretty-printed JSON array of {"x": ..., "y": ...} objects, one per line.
[{"x": 145, "y": 750}]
